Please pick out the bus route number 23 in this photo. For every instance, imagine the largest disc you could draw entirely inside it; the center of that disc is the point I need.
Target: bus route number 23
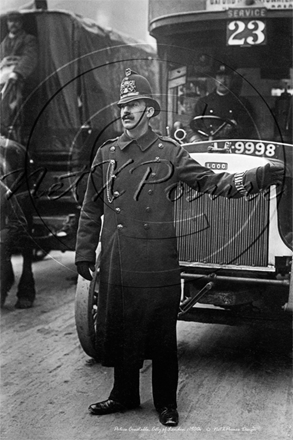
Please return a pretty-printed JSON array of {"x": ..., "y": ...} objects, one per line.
[{"x": 246, "y": 33}]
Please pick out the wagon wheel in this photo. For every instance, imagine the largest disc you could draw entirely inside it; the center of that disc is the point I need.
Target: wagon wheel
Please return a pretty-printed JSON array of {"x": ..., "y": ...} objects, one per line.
[
  {"x": 203, "y": 125},
  {"x": 86, "y": 308}
]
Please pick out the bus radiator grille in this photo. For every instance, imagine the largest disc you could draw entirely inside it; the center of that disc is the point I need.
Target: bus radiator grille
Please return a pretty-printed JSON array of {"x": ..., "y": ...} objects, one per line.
[{"x": 222, "y": 231}]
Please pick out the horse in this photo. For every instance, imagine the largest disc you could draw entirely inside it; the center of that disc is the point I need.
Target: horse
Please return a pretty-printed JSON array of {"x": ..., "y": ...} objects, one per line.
[{"x": 14, "y": 163}]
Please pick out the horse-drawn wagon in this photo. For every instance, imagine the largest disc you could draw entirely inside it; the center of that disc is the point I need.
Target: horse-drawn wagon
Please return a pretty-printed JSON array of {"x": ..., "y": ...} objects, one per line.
[{"x": 68, "y": 110}]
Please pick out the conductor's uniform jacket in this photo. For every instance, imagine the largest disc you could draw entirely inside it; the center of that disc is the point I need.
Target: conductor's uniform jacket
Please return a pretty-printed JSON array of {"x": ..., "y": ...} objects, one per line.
[{"x": 230, "y": 107}]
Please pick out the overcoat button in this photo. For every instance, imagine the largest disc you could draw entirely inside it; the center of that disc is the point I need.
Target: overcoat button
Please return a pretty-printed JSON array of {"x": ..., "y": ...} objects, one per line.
[
  {"x": 153, "y": 174},
  {"x": 117, "y": 210},
  {"x": 148, "y": 209},
  {"x": 146, "y": 226},
  {"x": 161, "y": 145},
  {"x": 113, "y": 148},
  {"x": 150, "y": 191},
  {"x": 116, "y": 193},
  {"x": 120, "y": 226}
]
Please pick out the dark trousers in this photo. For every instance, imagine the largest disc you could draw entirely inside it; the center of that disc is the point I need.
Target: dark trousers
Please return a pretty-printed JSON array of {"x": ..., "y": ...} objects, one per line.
[{"x": 164, "y": 383}]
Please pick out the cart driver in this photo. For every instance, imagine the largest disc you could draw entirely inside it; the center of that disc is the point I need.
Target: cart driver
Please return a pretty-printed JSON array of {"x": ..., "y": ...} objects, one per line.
[{"x": 18, "y": 59}]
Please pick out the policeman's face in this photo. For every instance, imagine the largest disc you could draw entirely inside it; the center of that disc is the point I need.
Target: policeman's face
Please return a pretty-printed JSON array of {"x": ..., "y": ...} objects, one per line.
[
  {"x": 134, "y": 114},
  {"x": 14, "y": 25},
  {"x": 223, "y": 83}
]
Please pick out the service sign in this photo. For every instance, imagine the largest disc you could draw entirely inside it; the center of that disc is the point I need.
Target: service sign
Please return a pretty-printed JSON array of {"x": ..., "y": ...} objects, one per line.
[{"x": 243, "y": 32}]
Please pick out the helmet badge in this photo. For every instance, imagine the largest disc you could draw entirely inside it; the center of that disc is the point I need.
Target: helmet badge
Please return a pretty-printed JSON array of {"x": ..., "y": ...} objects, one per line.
[{"x": 127, "y": 86}]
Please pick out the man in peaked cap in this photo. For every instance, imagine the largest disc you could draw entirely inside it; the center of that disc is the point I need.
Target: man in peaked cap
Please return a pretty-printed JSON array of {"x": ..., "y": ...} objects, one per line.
[
  {"x": 131, "y": 184},
  {"x": 225, "y": 103}
]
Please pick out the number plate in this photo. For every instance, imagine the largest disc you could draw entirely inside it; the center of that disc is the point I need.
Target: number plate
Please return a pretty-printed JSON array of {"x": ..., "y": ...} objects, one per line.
[
  {"x": 258, "y": 148},
  {"x": 265, "y": 149}
]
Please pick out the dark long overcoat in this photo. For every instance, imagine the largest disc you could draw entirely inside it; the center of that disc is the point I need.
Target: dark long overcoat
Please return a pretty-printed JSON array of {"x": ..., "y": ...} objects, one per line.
[{"x": 132, "y": 185}]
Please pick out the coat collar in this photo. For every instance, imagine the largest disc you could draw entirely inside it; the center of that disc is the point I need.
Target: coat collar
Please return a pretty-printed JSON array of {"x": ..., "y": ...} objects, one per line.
[{"x": 143, "y": 142}]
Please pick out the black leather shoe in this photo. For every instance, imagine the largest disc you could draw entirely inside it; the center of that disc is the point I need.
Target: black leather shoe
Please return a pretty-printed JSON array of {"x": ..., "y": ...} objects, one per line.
[
  {"x": 108, "y": 406},
  {"x": 168, "y": 416}
]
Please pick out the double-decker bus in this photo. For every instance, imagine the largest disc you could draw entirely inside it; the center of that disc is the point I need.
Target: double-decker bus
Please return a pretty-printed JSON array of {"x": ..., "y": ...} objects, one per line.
[{"x": 235, "y": 255}]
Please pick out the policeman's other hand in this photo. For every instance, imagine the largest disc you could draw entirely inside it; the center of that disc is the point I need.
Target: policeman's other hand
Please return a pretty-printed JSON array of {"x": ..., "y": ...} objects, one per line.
[
  {"x": 84, "y": 267},
  {"x": 272, "y": 173}
]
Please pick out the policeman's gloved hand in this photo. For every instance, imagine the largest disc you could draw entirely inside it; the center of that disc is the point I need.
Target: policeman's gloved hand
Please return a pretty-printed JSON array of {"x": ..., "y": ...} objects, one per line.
[
  {"x": 272, "y": 173},
  {"x": 84, "y": 267}
]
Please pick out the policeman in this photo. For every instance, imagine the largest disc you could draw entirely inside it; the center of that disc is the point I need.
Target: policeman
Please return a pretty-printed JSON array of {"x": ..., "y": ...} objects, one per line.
[
  {"x": 132, "y": 184},
  {"x": 227, "y": 105}
]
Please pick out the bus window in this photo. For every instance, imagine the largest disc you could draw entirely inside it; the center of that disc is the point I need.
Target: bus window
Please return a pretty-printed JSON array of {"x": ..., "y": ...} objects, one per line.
[{"x": 211, "y": 107}]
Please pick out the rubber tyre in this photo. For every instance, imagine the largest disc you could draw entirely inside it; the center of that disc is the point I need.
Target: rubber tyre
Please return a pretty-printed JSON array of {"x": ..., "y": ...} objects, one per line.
[{"x": 86, "y": 307}]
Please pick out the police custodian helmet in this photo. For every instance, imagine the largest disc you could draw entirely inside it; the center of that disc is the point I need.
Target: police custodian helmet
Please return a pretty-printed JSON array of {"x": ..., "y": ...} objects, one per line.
[{"x": 134, "y": 87}]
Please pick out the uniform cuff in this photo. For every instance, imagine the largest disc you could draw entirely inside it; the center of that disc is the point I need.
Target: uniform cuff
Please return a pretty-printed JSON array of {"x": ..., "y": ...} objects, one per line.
[{"x": 239, "y": 183}]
